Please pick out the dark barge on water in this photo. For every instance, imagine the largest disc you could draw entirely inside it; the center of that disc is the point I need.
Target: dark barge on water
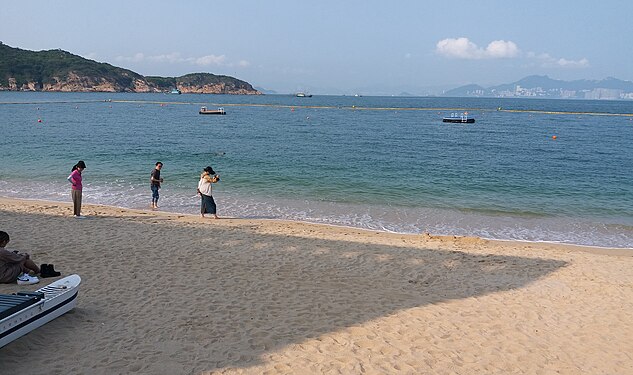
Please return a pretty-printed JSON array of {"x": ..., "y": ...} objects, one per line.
[
  {"x": 205, "y": 111},
  {"x": 459, "y": 118}
]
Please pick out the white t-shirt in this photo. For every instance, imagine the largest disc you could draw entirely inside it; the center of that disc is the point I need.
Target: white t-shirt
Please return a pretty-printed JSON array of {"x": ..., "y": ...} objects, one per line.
[{"x": 205, "y": 186}]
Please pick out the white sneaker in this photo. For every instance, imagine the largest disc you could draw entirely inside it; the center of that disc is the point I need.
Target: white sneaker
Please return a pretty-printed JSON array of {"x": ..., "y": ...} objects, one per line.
[
  {"x": 25, "y": 279},
  {"x": 79, "y": 217}
]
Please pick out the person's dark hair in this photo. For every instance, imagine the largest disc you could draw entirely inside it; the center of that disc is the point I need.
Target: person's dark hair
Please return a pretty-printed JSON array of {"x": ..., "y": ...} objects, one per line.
[
  {"x": 4, "y": 236},
  {"x": 209, "y": 170},
  {"x": 158, "y": 162},
  {"x": 80, "y": 164}
]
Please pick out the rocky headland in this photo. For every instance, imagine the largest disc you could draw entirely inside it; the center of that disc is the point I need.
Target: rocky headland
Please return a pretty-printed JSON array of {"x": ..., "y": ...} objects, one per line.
[{"x": 61, "y": 71}]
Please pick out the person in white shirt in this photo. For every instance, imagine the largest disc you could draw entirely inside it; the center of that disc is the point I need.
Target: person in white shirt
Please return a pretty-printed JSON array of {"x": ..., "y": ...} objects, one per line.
[{"x": 205, "y": 190}]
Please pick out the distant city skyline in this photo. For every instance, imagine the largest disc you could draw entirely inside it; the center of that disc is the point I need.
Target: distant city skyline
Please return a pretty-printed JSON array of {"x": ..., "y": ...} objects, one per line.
[{"x": 328, "y": 47}]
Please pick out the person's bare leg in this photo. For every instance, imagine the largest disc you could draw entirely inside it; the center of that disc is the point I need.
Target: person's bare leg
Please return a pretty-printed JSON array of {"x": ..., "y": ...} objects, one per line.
[{"x": 31, "y": 266}]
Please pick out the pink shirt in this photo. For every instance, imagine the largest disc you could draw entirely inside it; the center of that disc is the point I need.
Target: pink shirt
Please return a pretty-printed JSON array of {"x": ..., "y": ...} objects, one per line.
[{"x": 75, "y": 180}]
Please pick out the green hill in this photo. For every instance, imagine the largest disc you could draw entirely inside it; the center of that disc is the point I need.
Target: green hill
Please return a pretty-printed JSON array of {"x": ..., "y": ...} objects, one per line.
[{"x": 57, "y": 70}]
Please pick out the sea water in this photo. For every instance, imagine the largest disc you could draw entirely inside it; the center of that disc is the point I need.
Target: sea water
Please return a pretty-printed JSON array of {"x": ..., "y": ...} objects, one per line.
[{"x": 528, "y": 169}]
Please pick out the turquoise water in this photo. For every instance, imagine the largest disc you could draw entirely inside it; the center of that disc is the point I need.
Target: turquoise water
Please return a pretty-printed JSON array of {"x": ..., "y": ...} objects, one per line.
[{"x": 383, "y": 163}]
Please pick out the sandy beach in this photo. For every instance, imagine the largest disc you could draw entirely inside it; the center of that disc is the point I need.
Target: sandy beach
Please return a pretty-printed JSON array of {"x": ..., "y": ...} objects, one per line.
[{"x": 166, "y": 293}]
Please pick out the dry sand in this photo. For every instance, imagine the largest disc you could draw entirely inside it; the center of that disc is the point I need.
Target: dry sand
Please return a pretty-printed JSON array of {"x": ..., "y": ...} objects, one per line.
[{"x": 177, "y": 294}]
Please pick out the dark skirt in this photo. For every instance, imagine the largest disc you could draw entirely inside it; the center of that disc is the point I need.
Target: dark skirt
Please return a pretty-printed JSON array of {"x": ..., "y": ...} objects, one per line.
[{"x": 207, "y": 205}]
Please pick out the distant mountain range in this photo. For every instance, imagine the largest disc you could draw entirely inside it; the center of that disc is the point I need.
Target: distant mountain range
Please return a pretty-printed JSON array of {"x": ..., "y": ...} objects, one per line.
[
  {"x": 545, "y": 87},
  {"x": 57, "y": 70}
]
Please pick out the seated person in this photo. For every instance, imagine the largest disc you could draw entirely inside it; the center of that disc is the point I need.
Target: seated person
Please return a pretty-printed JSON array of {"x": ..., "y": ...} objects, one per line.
[{"x": 18, "y": 267}]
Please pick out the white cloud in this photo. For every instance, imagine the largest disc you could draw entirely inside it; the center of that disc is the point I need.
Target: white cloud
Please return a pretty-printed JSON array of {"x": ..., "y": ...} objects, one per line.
[
  {"x": 459, "y": 48},
  {"x": 548, "y": 61},
  {"x": 502, "y": 49},
  {"x": 582, "y": 63},
  {"x": 135, "y": 58},
  {"x": 170, "y": 58},
  {"x": 209, "y": 60},
  {"x": 177, "y": 58},
  {"x": 463, "y": 48}
]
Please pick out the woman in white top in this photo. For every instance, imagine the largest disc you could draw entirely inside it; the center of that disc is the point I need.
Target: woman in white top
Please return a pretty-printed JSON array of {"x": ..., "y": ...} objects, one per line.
[{"x": 205, "y": 190}]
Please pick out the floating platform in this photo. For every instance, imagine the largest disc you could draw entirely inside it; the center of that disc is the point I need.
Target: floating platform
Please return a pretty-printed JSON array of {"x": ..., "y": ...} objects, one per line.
[
  {"x": 205, "y": 111},
  {"x": 459, "y": 118}
]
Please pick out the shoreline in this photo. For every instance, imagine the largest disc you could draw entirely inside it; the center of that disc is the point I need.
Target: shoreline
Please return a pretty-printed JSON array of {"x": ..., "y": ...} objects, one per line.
[
  {"x": 237, "y": 220},
  {"x": 165, "y": 293}
]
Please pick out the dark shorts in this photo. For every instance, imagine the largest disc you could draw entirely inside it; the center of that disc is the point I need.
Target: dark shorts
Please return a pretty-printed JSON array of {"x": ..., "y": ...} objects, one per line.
[
  {"x": 155, "y": 191},
  {"x": 207, "y": 206}
]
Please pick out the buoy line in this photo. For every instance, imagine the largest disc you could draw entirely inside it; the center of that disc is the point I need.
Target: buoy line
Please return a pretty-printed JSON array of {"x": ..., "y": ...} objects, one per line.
[
  {"x": 60, "y": 102},
  {"x": 382, "y": 108},
  {"x": 353, "y": 107}
]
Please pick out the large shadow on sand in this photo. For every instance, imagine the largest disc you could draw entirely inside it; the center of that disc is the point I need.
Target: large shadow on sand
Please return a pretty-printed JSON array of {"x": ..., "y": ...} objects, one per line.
[{"x": 228, "y": 296}]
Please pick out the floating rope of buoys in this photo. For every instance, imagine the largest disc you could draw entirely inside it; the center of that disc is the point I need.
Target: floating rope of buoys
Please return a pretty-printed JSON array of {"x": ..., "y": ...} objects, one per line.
[{"x": 353, "y": 107}]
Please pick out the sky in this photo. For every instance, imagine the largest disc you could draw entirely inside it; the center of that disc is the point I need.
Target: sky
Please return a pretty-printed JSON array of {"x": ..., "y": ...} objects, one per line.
[{"x": 364, "y": 47}]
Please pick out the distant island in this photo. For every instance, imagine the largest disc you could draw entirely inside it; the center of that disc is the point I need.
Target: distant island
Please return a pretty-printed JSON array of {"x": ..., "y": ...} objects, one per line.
[
  {"x": 545, "y": 87},
  {"x": 57, "y": 70}
]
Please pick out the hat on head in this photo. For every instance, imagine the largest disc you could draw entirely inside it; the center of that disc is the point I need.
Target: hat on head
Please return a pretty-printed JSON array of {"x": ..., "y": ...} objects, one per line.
[
  {"x": 81, "y": 164},
  {"x": 209, "y": 170}
]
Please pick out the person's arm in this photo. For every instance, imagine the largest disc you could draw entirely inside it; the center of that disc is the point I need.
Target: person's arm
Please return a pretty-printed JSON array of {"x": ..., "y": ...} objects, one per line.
[
  {"x": 73, "y": 177},
  {"x": 11, "y": 257},
  {"x": 213, "y": 179}
]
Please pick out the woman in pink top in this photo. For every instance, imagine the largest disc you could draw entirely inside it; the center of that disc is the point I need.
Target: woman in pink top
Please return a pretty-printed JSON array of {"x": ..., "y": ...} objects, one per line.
[{"x": 75, "y": 192}]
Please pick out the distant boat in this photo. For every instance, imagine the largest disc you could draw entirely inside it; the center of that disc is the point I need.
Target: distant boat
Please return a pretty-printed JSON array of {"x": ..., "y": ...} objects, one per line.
[
  {"x": 205, "y": 111},
  {"x": 459, "y": 118},
  {"x": 175, "y": 91},
  {"x": 303, "y": 95}
]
